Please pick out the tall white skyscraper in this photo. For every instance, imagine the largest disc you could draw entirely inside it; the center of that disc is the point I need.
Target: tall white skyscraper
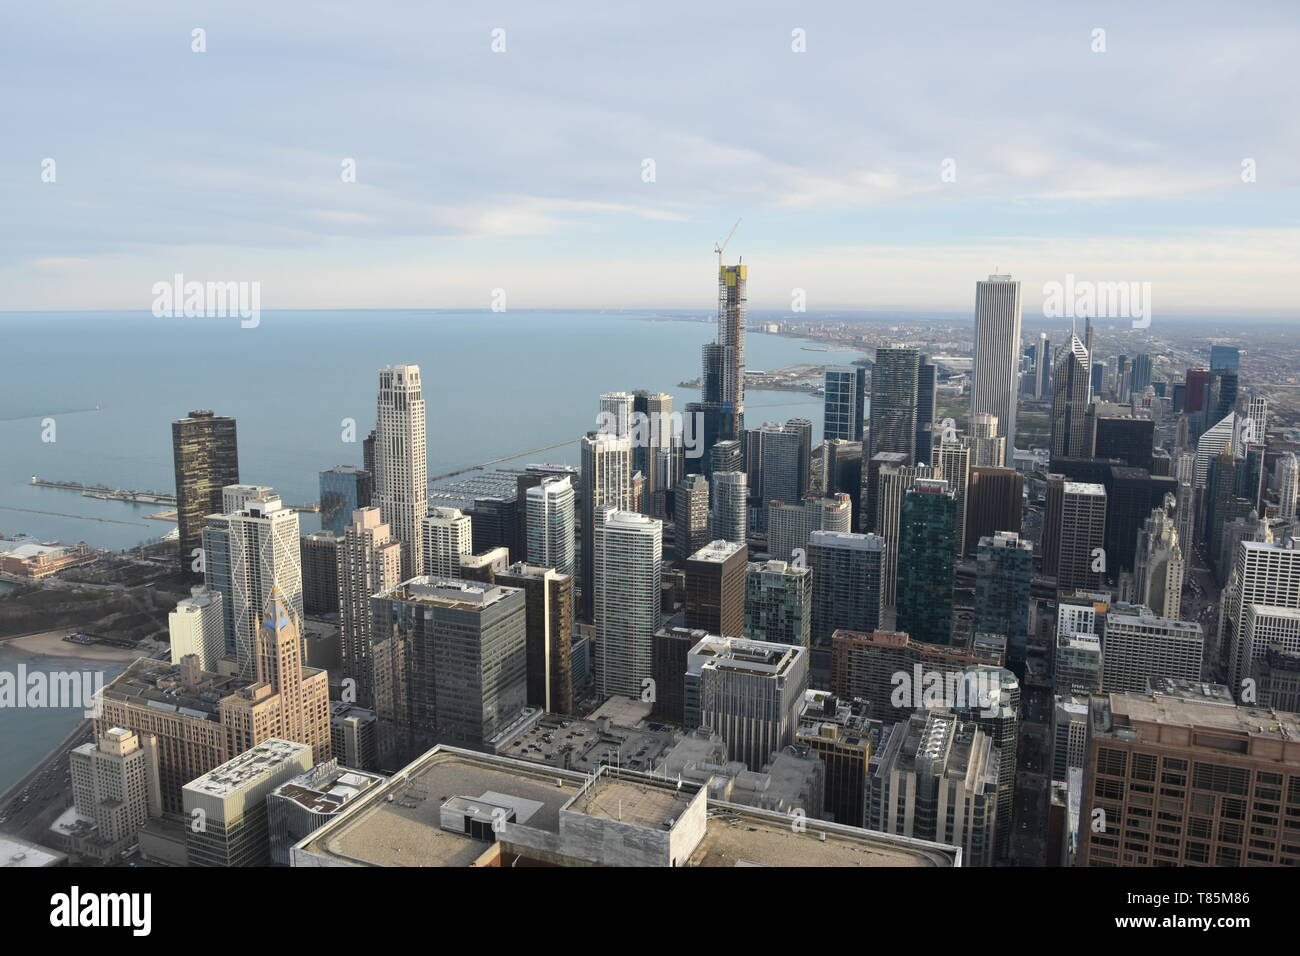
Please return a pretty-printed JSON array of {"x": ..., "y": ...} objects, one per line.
[
  {"x": 370, "y": 562},
  {"x": 951, "y": 462},
  {"x": 628, "y": 567},
  {"x": 606, "y": 480},
  {"x": 729, "y": 516},
  {"x": 550, "y": 524},
  {"x": 254, "y": 552},
  {"x": 447, "y": 535},
  {"x": 1288, "y": 485},
  {"x": 615, "y": 414},
  {"x": 1264, "y": 586},
  {"x": 996, "y": 370},
  {"x": 196, "y": 627},
  {"x": 402, "y": 461}
]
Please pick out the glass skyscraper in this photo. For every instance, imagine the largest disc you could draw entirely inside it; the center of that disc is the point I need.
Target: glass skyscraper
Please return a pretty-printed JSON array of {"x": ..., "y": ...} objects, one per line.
[{"x": 343, "y": 490}]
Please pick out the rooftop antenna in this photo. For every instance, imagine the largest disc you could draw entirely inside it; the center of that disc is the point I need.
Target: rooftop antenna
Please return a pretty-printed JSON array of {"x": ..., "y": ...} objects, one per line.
[{"x": 721, "y": 246}]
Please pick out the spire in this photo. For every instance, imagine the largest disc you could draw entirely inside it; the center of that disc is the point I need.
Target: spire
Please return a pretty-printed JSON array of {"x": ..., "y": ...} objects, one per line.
[{"x": 276, "y": 615}]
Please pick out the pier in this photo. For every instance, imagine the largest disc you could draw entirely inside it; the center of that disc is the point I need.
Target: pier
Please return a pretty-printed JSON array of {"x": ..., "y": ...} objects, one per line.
[{"x": 103, "y": 492}]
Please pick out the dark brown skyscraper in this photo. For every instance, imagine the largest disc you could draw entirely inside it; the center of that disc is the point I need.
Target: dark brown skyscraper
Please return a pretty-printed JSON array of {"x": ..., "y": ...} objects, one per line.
[
  {"x": 994, "y": 502},
  {"x": 207, "y": 459},
  {"x": 549, "y": 635},
  {"x": 715, "y": 588}
]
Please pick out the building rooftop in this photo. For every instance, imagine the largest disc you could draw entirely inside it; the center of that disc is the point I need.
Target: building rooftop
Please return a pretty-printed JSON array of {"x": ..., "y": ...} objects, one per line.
[
  {"x": 717, "y": 551},
  {"x": 401, "y": 823},
  {"x": 739, "y": 653},
  {"x": 449, "y": 593},
  {"x": 248, "y": 768},
  {"x": 158, "y": 684},
  {"x": 1150, "y": 716}
]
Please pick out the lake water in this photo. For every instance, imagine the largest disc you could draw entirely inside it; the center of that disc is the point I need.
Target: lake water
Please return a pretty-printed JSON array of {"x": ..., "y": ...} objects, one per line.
[{"x": 495, "y": 384}]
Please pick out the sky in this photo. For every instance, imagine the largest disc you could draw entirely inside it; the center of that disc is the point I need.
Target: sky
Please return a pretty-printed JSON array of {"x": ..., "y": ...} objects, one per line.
[{"x": 906, "y": 151}]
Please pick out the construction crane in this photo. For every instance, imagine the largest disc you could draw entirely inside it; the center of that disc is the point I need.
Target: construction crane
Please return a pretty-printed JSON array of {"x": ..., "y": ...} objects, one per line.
[{"x": 720, "y": 247}]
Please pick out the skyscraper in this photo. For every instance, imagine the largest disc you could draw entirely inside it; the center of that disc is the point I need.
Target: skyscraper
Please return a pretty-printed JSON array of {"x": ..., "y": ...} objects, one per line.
[
  {"x": 549, "y": 615},
  {"x": 550, "y": 519},
  {"x": 927, "y": 529},
  {"x": 749, "y": 693},
  {"x": 729, "y": 517},
  {"x": 1081, "y": 560},
  {"x": 691, "y": 518},
  {"x": 1267, "y": 577},
  {"x": 732, "y": 301},
  {"x": 447, "y": 535},
  {"x": 847, "y": 572},
  {"x": 464, "y": 660},
  {"x": 789, "y": 525},
  {"x": 893, "y": 483},
  {"x": 653, "y": 454},
  {"x": 715, "y": 588},
  {"x": 778, "y": 603},
  {"x": 1004, "y": 571},
  {"x": 994, "y": 502},
  {"x": 1288, "y": 485},
  {"x": 951, "y": 463},
  {"x": 343, "y": 490},
  {"x": 402, "y": 461},
  {"x": 996, "y": 370},
  {"x": 254, "y": 552},
  {"x": 844, "y": 402},
  {"x": 786, "y": 451},
  {"x": 615, "y": 414},
  {"x": 115, "y": 785},
  {"x": 1071, "y": 392},
  {"x": 606, "y": 479},
  {"x": 894, "y": 399},
  {"x": 206, "y": 458},
  {"x": 1158, "y": 571},
  {"x": 370, "y": 562},
  {"x": 627, "y": 570}
]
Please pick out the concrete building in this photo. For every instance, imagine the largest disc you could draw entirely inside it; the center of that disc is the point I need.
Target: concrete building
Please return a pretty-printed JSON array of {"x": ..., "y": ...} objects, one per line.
[
  {"x": 691, "y": 516},
  {"x": 511, "y": 813},
  {"x": 1221, "y": 769},
  {"x": 115, "y": 791},
  {"x": 790, "y": 525},
  {"x": 402, "y": 461},
  {"x": 847, "y": 582},
  {"x": 995, "y": 375},
  {"x": 354, "y": 736},
  {"x": 447, "y": 536},
  {"x": 318, "y": 555},
  {"x": 228, "y": 804},
  {"x": 197, "y": 627},
  {"x": 627, "y": 567},
  {"x": 936, "y": 777},
  {"x": 1077, "y": 664},
  {"x": 1263, "y": 574},
  {"x": 1069, "y": 734},
  {"x": 715, "y": 588},
  {"x": 786, "y": 451},
  {"x": 840, "y": 732},
  {"x": 880, "y": 667},
  {"x": 606, "y": 480},
  {"x": 1139, "y": 647},
  {"x": 461, "y": 648},
  {"x": 748, "y": 692},
  {"x": 1082, "y": 529},
  {"x": 300, "y": 806},
  {"x": 1159, "y": 567},
  {"x": 729, "y": 509},
  {"x": 550, "y": 524},
  {"x": 370, "y": 562}
]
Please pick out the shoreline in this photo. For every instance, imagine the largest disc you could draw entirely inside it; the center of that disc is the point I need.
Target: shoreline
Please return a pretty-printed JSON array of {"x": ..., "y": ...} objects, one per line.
[{"x": 52, "y": 644}]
